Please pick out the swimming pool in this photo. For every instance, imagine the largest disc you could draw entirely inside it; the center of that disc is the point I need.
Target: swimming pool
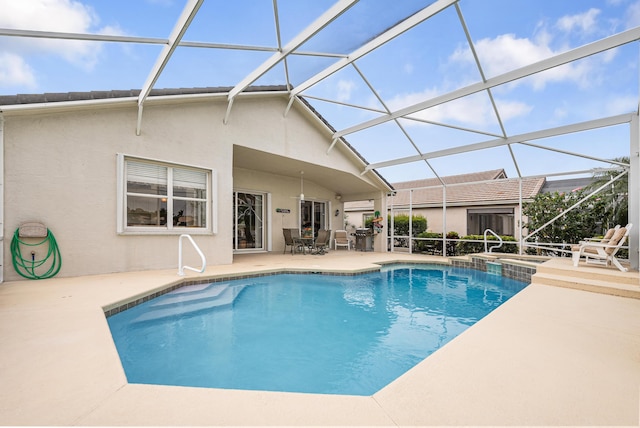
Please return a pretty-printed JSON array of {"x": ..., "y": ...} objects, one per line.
[{"x": 304, "y": 333}]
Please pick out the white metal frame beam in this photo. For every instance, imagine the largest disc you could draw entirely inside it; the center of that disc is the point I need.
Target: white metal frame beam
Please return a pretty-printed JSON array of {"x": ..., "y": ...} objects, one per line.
[
  {"x": 551, "y": 132},
  {"x": 189, "y": 12},
  {"x": 546, "y": 64},
  {"x": 634, "y": 192},
  {"x": 385, "y": 37},
  {"x": 325, "y": 19}
]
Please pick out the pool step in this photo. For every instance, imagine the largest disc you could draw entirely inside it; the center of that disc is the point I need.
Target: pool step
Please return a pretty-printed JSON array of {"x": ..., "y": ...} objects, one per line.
[
  {"x": 593, "y": 285},
  {"x": 198, "y": 302},
  {"x": 564, "y": 266},
  {"x": 192, "y": 293},
  {"x": 560, "y": 272}
]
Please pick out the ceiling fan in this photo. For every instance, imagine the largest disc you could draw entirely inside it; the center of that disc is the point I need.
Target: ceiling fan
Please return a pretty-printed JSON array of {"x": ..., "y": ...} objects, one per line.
[{"x": 301, "y": 196}]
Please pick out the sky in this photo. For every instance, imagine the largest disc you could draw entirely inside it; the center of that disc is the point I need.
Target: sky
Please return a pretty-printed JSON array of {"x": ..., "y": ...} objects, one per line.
[{"x": 429, "y": 60}]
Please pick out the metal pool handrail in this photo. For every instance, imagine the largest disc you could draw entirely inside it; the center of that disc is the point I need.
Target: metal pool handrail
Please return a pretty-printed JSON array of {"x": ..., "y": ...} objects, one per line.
[
  {"x": 181, "y": 268},
  {"x": 485, "y": 240}
]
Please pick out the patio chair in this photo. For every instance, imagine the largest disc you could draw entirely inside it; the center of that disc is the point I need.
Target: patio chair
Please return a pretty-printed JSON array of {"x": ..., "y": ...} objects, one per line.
[
  {"x": 603, "y": 253},
  {"x": 341, "y": 239},
  {"x": 322, "y": 242},
  {"x": 292, "y": 239}
]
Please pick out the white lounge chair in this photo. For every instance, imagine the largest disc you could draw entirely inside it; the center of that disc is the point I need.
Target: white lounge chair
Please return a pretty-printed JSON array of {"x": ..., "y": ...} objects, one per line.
[
  {"x": 605, "y": 239},
  {"x": 603, "y": 253},
  {"x": 341, "y": 239}
]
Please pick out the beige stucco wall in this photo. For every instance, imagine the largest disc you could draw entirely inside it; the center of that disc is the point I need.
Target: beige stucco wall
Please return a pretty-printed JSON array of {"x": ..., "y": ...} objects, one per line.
[
  {"x": 60, "y": 170},
  {"x": 456, "y": 217}
]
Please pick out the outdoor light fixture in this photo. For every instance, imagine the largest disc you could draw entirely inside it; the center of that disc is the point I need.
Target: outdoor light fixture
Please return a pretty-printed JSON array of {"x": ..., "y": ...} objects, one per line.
[{"x": 301, "y": 186}]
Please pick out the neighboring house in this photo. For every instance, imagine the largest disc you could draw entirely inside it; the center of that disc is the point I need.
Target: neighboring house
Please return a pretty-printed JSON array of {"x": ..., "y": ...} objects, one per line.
[
  {"x": 474, "y": 202},
  {"x": 116, "y": 201}
]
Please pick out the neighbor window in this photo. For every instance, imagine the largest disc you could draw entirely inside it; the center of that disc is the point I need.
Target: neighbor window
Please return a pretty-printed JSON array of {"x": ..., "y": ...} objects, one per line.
[
  {"x": 159, "y": 196},
  {"x": 500, "y": 220}
]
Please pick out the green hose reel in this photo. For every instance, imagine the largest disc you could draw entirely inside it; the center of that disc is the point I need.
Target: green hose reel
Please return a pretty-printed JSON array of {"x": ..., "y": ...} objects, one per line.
[{"x": 37, "y": 264}]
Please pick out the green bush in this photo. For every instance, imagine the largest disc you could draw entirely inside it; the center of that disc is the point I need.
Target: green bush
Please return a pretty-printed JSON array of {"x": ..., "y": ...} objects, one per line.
[
  {"x": 433, "y": 246},
  {"x": 401, "y": 227},
  {"x": 465, "y": 247},
  {"x": 588, "y": 219}
]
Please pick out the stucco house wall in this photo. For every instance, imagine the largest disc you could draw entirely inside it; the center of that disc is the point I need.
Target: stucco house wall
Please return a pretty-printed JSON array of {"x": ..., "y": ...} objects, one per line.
[{"x": 60, "y": 169}]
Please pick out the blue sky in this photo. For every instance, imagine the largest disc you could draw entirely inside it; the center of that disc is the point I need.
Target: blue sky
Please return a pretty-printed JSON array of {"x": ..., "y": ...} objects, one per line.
[{"x": 431, "y": 59}]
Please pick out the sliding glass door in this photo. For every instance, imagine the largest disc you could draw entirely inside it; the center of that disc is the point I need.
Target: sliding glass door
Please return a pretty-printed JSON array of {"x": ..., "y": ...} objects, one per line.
[
  {"x": 313, "y": 217},
  {"x": 248, "y": 221}
]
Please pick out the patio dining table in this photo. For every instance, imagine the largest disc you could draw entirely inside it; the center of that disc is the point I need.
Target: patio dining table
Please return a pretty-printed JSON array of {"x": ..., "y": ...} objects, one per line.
[{"x": 308, "y": 243}]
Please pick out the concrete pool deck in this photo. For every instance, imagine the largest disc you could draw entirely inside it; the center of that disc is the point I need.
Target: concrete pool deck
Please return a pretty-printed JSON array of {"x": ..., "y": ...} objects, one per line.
[{"x": 549, "y": 356}]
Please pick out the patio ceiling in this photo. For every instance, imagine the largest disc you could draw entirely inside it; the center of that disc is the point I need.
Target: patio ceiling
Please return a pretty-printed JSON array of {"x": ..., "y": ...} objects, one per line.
[{"x": 340, "y": 182}]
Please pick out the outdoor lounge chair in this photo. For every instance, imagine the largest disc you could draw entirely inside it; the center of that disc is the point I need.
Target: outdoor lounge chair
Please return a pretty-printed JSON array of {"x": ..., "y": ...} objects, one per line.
[
  {"x": 341, "y": 239},
  {"x": 603, "y": 253},
  {"x": 606, "y": 238}
]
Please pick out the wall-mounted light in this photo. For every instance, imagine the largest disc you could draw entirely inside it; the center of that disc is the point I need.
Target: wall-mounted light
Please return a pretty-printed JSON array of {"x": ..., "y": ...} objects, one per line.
[
  {"x": 301, "y": 186},
  {"x": 337, "y": 213}
]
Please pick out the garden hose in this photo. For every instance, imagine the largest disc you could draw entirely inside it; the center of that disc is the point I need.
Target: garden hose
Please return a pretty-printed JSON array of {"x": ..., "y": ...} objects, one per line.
[{"x": 26, "y": 267}]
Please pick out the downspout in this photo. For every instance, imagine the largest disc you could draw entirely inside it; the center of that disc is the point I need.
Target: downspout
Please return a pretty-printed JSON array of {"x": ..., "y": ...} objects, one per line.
[{"x": 1, "y": 198}]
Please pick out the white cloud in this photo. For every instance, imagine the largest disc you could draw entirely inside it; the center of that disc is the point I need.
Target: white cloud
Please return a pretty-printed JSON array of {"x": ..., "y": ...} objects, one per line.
[
  {"x": 473, "y": 110},
  {"x": 15, "y": 72},
  {"x": 633, "y": 15},
  {"x": 344, "y": 90},
  {"x": 47, "y": 15},
  {"x": 408, "y": 68},
  {"x": 622, "y": 104},
  {"x": 560, "y": 113},
  {"x": 585, "y": 22},
  {"x": 67, "y": 16},
  {"x": 507, "y": 52}
]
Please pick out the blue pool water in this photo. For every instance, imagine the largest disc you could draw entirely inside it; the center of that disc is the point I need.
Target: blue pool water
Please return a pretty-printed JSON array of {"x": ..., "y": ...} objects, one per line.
[{"x": 303, "y": 333}]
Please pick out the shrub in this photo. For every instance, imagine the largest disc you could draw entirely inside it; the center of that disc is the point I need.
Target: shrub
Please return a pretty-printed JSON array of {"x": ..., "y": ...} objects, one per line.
[
  {"x": 433, "y": 245},
  {"x": 465, "y": 247},
  {"x": 401, "y": 227}
]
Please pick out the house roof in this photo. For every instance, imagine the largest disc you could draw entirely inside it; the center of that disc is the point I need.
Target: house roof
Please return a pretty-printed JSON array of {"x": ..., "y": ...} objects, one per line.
[
  {"x": 452, "y": 179},
  {"x": 476, "y": 193},
  {"x": 481, "y": 188},
  {"x": 56, "y": 97},
  {"x": 566, "y": 186}
]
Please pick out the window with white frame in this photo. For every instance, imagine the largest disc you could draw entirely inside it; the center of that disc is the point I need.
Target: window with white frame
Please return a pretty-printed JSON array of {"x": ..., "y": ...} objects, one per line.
[{"x": 157, "y": 196}]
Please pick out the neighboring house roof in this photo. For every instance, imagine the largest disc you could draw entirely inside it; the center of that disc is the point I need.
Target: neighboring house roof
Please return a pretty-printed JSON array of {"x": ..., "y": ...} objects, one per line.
[
  {"x": 501, "y": 191},
  {"x": 566, "y": 186},
  {"x": 481, "y": 188},
  {"x": 452, "y": 179}
]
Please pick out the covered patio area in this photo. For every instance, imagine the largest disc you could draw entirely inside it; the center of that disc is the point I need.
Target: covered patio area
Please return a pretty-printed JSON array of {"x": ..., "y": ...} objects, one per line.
[{"x": 549, "y": 356}]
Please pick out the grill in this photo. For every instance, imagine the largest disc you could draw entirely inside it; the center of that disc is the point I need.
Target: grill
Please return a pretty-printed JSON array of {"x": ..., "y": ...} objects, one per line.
[{"x": 364, "y": 239}]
